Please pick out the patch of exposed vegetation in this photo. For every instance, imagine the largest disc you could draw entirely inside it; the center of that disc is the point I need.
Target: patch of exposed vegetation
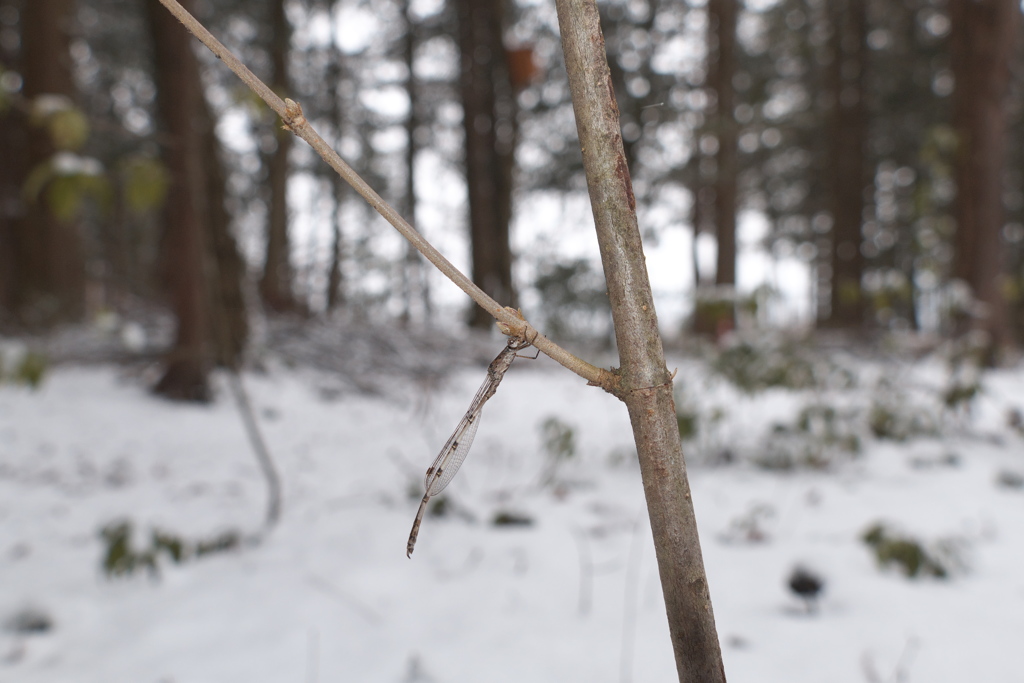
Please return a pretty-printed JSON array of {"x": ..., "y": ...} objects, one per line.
[
  {"x": 122, "y": 559},
  {"x": 910, "y": 555},
  {"x": 754, "y": 367},
  {"x": 894, "y": 417},
  {"x": 22, "y": 366},
  {"x": 558, "y": 440},
  {"x": 820, "y": 435}
]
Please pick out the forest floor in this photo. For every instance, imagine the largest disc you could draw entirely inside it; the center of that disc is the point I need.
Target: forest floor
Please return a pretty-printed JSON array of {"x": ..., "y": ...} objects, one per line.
[{"x": 568, "y": 591}]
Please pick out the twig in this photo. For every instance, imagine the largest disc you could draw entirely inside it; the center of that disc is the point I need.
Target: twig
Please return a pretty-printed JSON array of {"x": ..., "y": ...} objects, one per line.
[
  {"x": 291, "y": 114},
  {"x": 259, "y": 446}
]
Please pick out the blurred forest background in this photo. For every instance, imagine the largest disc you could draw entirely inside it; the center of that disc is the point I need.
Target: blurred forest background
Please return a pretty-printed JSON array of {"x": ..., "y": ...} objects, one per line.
[{"x": 881, "y": 143}]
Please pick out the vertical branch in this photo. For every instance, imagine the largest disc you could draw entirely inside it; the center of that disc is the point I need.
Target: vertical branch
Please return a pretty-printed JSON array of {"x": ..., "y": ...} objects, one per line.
[
  {"x": 259, "y": 447},
  {"x": 646, "y": 386}
]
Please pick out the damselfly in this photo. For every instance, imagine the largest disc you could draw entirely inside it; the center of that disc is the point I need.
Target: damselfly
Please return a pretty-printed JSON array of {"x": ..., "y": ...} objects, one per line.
[{"x": 455, "y": 450}]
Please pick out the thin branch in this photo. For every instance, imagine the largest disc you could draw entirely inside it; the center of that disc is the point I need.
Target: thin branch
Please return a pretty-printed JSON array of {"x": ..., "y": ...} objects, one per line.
[
  {"x": 259, "y": 446},
  {"x": 290, "y": 112}
]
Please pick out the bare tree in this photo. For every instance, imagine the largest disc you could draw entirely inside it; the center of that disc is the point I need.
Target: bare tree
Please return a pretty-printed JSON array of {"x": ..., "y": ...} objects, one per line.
[
  {"x": 716, "y": 315},
  {"x": 226, "y": 305},
  {"x": 335, "y": 276},
  {"x": 984, "y": 33},
  {"x": 179, "y": 92},
  {"x": 489, "y": 123},
  {"x": 46, "y": 283},
  {"x": 203, "y": 267},
  {"x": 415, "y": 292},
  {"x": 276, "y": 283},
  {"x": 847, "y": 165},
  {"x": 14, "y": 151},
  {"x": 722, "y": 15}
]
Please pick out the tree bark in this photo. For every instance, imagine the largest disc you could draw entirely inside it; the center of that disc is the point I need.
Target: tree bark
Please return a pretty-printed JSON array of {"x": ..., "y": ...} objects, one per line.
[
  {"x": 646, "y": 385},
  {"x": 228, "y": 316},
  {"x": 414, "y": 279},
  {"x": 47, "y": 283},
  {"x": 14, "y": 151},
  {"x": 276, "y": 283},
  {"x": 982, "y": 43},
  {"x": 723, "y": 14},
  {"x": 715, "y": 309},
  {"x": 178, "y": 95},
  {"x": 847, "y": 165},
  {"x": 335, "y": 292},
  {"x": 489, "y": 111}
]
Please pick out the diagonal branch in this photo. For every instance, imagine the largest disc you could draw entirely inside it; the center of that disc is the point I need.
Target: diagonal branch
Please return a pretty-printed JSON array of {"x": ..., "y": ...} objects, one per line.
[{"x": 291, "y": 113}]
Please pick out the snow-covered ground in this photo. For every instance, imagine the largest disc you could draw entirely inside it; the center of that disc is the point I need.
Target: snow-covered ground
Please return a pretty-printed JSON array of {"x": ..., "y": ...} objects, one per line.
[{"x": 330, "y": 595}]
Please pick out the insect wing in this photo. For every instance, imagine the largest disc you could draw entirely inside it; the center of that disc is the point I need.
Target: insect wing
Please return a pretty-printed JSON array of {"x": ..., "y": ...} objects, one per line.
[{"x": 454, "y": 454}]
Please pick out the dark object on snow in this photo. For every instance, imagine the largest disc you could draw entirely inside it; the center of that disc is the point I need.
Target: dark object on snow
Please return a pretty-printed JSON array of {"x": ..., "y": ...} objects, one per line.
[
  {"x": 807, "y": 585},
  {"x": 1010, "y": 479},
  {"x": 511, "y": 519},
  {"x": 30, "y": 620},
  {"x": 120, "y": 559},
  {"x": 228, "y": 540}
]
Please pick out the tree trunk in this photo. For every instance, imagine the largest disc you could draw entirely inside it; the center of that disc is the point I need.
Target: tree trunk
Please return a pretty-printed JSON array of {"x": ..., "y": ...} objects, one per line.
[
  {"x": 335, "y": 293},
  {"x": 276, "y": 283},
  {"x": 723, "y": 20},
  {"x": 227, "y": 310},
  {"x": 646, "y": 385},
  {"x": 179, "y": 99},
  {"x": 715, "y": 310},
  {"x": 982, "y": 43},
  {"x": 48, "y": 270},
  {"x": 14, "y": 138},
  {"x": 847, "y": 165},
  {"x": 414, "y": 278},
  {"x": 489, "y": 112}
]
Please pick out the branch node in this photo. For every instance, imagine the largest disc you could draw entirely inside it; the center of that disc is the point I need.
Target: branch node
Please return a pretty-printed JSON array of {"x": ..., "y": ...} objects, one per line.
[
  {"x": 293, "y": 116},
  {"x": 516, "y": 329}
]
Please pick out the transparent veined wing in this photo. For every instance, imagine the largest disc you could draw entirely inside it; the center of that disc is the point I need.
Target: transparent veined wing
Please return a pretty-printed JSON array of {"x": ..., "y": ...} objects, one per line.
[{"x": 454, "y": 454}]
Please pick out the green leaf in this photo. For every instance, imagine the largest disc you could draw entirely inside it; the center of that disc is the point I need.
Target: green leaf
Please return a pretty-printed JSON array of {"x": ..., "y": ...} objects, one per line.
[
  {"x": 145, "y": 184},
  {"x": 68, "y": 129},
  {"x": 65, "y": 123},
  {"x": 66, "y": 195}
]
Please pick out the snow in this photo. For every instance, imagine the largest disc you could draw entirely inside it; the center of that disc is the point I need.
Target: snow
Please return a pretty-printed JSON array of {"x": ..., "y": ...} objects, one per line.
[{"x": 330, "y": 596}]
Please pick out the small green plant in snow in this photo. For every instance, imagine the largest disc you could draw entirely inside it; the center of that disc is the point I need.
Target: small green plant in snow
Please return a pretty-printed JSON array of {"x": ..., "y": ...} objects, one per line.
[{"x": 910, "y": 555}]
